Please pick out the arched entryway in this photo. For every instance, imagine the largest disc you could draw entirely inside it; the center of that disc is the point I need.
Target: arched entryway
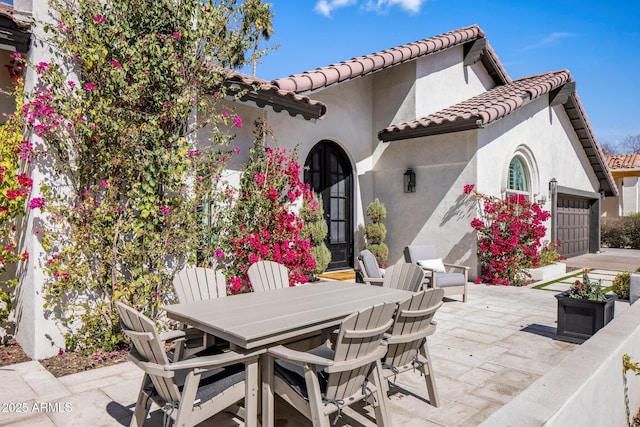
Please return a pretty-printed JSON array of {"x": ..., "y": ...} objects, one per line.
[{"x": 329, "y": 172}]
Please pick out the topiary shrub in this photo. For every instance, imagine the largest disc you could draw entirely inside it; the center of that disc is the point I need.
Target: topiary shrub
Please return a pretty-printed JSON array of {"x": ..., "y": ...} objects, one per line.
[
  {"x": 375, "y": 231},
  {"x": 620, "y": 285},
  {"x": 315, "y": 229}
]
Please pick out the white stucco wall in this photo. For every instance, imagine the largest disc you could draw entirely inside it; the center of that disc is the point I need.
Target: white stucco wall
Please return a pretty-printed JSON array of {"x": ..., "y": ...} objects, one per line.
[
  {"x": 36, "y": 331},
  {"x": 437, "y": 213},
  {"x": 629, "y": 194},
  {"x": 442, "y": 81}
]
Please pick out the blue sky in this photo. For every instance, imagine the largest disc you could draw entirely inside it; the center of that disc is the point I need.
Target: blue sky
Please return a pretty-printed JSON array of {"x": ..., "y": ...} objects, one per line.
[{"x": 597, "y": 41}]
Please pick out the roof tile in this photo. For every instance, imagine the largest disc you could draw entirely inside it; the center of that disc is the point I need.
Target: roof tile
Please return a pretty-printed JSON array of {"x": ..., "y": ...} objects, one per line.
[
  {"x": 356, "y": 67},
  {"x": 623, "y": 161},
  {"x": 287, "y": 100},
  {"x": 490, "y": 105}
]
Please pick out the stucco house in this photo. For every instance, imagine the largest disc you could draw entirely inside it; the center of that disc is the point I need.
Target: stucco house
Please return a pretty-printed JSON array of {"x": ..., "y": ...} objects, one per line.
[
  {"x": 625, "y": 169},
  {"x": 442, "y": 109},
  {"x": 445, "y": 109}
]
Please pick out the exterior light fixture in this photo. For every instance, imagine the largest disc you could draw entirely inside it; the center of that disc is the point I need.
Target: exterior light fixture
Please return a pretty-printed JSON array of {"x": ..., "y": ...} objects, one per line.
[{"x": 409, "y": 181}]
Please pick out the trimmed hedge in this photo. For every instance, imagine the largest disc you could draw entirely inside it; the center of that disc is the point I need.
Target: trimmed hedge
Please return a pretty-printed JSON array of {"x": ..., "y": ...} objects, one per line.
[{"x": 621, "y": 232}]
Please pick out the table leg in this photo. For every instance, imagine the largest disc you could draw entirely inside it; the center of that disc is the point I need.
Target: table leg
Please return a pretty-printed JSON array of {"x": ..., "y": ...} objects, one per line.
[
  {"x": 251, "y": 394},
  {"x": 266, "y": 362}
]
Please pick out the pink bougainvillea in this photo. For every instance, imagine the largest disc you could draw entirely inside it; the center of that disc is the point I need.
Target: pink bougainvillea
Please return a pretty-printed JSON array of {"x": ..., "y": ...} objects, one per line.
[
  {"x": 263, "y": 225},
  {"x": 509, "y": 236}
]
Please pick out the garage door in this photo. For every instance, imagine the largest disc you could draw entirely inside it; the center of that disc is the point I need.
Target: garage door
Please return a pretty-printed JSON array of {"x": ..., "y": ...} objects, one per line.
[{"x": 573, "y": 225}]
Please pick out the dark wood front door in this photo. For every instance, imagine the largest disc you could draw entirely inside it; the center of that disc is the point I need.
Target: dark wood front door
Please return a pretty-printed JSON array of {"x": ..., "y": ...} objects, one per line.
[{"x": 329, "y": 173}]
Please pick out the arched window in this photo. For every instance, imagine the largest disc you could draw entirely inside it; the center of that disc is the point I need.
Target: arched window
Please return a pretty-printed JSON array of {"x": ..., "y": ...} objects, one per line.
[{"x": 518, "y": 178}]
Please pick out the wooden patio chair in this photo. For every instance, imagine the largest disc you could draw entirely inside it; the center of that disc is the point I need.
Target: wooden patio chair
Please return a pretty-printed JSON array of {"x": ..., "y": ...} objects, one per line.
[
  {"x": 371, "y": 272},
  {"x": 321, "y": 381},
  {"x": 407, "y": 342},
  {"x": 197, "y": 284},
  {"x": 404, "y": 276},
  {"x": 268, "y": 275},
  {"x": 192, "y": 390},
  {"x": 453, "y": 278}
]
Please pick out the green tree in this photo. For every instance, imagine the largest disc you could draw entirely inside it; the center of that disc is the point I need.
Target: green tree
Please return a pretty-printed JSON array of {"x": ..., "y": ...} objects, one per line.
[{"x": 115, "y": 117}]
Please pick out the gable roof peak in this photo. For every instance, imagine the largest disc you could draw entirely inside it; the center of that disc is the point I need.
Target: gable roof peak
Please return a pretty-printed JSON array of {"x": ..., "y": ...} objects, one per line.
[{"x": 322, "y": 77}]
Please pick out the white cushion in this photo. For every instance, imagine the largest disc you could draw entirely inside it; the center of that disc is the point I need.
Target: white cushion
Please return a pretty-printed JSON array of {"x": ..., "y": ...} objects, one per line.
[{"x": 435, "y": 264}]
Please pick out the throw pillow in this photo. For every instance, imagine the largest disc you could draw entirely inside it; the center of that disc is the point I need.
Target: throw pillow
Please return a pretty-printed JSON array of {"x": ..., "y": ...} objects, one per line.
[{"x": 435, "y": 264}]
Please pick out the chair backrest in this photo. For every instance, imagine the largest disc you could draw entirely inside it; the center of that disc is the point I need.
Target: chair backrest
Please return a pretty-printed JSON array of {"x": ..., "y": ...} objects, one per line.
[
  {"x": 412, "y": 323},
  {"x": 370, "y": 264},
  {"x": 358, "y": 346},
  {"x": 198, "y": 283},
  {"x": 405, "y": 276},
  {"x": 415, "y": 253},
  {"x": 148, "y": 347},
  {"x": 268, "y": 275}
]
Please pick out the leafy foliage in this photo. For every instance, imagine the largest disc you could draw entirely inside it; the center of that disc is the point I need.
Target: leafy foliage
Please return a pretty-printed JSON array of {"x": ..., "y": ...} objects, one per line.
[
  {"x": 127, "y": 183},
  {"x": 315, "y": 229},
  {"x": 509, "y": 234},
  {"x": 375, "y": 231},
  {"x": 260, "y": 223},
  {"x": 621, "y": 232},
  {"x": 621, "y": 284},
  {"x": 586, "y": 289},
  {"x": 15, "y": 187}
]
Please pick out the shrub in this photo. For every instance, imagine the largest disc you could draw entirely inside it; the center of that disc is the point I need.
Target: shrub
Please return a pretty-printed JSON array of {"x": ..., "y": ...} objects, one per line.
[
  {"x": 620, "y": 285},
  {"x": 509, "y": 233},
  {"x": 315, "y": 229},
  {"x": 375, "y": 231},
  {"x": 621, "y": 232},
  {"x": 549, "y": 254},
  {"x": 260, "y": 223}
]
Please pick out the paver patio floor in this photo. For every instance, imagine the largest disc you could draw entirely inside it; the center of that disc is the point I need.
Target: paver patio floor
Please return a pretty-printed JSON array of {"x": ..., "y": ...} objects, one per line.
[{"x": 484, "y": 352}]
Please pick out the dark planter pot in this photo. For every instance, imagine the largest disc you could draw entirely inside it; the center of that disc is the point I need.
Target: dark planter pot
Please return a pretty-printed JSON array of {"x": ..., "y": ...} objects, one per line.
[{"x": 579, "y": 319}]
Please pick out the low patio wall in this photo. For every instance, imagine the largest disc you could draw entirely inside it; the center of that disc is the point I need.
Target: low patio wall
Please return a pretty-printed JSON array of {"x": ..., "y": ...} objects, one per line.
[
  {"x": 586, "y": 388},
  {"x": 548, "y": 271}
]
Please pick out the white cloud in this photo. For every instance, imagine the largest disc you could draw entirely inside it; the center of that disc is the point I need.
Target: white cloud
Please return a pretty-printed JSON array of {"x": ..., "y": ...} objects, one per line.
[
  {"x": 550, "y": 39},
  {"x": 325, "y": 7},
  {"x": 412, "y": 6}
]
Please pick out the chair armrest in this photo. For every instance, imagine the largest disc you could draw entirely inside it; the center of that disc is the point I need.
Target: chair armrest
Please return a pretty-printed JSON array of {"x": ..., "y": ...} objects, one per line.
[
  {"x": 298, "y": 357},
  {"x": 463, "y": 267},
  {"x": 169, "y": 336},
  {"x": 375, "y": 281},
  {"x": 215, "y": 360}
]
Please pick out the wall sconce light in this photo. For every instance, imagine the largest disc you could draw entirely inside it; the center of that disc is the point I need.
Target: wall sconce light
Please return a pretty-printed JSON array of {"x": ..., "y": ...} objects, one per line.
[
  {"x": 409, "y": 181},
  {"x": 542, "y": 199}
]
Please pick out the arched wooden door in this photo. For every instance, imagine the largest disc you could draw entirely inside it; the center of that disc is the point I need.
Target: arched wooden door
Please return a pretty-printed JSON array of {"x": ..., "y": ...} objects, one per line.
[{"x": 329, "y": 173}]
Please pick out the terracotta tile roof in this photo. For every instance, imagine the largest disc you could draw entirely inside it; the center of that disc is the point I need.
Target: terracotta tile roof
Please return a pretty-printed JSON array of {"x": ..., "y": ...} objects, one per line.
[
  {"x": 486, "y": 108},
  {"x": 480, "y": 110},
  {"x": 15, "y": 30},
  {"x": 623, "y": 161},
  {"x": 581, "y": 125},
  {"x": 263, "y": 93},
  {"x": 6, "y": 10},
  {"x": 363, "y": 65}
]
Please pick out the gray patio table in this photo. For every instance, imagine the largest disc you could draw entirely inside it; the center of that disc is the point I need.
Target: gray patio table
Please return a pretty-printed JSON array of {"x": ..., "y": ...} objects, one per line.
[{"x": 260, "y": 320}]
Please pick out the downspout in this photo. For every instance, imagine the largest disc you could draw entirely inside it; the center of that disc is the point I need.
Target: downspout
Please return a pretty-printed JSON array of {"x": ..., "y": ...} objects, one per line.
[{"x": 553, "y": 190}]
